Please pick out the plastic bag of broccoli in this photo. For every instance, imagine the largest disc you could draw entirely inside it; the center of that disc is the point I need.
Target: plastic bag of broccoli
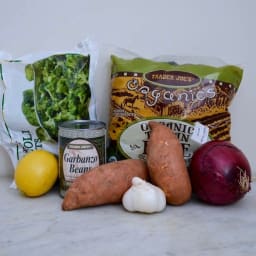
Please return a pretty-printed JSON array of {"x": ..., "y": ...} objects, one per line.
[{"x": 38, "y": 91}]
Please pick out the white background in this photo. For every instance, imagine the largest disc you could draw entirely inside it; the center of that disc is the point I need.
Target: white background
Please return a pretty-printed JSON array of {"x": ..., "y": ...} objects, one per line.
[{"x": 219, "y": 28}]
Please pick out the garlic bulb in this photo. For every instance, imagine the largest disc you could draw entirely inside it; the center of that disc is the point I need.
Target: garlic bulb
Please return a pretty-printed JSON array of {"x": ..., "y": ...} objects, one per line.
[{"x": 143, "y": 197}]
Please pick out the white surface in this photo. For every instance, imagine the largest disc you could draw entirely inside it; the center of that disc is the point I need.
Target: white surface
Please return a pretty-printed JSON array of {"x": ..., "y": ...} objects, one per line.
[
  {"x": 39, "y": 227},
  {"x": 223, "y": 29}
]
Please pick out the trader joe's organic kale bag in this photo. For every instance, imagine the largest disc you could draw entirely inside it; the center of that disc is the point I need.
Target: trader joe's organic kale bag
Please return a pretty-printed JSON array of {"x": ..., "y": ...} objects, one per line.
[
  {"x": 38, "y": 92},
  {"x": 176, "y": 91}
]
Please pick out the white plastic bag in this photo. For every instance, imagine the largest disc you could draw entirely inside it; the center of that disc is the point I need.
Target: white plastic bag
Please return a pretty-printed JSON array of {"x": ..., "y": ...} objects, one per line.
[{"x": 38, "y": 91}]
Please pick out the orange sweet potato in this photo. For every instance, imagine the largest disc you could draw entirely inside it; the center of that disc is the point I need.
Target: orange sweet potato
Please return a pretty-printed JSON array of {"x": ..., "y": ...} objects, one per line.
[
  {"x": 166, "y": 164},
  {"x": 105, "y": 184}
]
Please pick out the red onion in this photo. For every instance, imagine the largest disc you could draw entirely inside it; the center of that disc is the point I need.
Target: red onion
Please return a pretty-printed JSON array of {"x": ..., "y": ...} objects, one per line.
[{"x": 220, "y": 173}]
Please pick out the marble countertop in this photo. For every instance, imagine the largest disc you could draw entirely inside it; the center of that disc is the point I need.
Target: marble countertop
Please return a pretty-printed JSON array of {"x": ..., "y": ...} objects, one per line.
[{"x": 38, "y": 226}]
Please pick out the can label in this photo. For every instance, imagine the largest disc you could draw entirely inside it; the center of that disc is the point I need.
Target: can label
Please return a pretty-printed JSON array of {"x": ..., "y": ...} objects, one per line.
[
  {"x": 79, "y": 156},
  {"x": 80, "y": 150}
]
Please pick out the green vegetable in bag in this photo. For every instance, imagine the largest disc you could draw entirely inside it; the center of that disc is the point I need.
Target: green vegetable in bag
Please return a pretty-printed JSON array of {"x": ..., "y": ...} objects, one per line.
[{"x": 61, "y": 92}]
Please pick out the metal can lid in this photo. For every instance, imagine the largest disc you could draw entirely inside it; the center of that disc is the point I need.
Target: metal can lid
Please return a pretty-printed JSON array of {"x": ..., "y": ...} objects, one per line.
[
  {"x": 82, "y": 128},
  {"x": 82, "y": 125}
]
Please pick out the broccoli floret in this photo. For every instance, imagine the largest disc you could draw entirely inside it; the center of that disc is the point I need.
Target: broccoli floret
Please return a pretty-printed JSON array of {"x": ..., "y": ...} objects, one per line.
[
  {"x": 29, "y": 72},
  {"x": 28, "y": 107}
]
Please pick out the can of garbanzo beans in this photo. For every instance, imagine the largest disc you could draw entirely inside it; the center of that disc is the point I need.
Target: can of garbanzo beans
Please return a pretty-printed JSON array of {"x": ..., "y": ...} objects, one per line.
[{"x": 82, "y": 146}]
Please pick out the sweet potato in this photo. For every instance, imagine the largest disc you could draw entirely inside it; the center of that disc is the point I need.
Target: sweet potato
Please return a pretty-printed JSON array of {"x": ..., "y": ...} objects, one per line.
[
  {"x": 105, "y": 184},
  {"x": 166, "y": 164}
]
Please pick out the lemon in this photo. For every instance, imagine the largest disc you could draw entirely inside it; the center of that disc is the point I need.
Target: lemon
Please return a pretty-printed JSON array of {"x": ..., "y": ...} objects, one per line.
[{"x": 36, "y": 173}]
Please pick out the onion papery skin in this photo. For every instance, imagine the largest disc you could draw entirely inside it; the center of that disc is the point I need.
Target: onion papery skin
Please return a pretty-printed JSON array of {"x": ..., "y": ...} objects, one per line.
[{"x": 220, "y": 173}]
